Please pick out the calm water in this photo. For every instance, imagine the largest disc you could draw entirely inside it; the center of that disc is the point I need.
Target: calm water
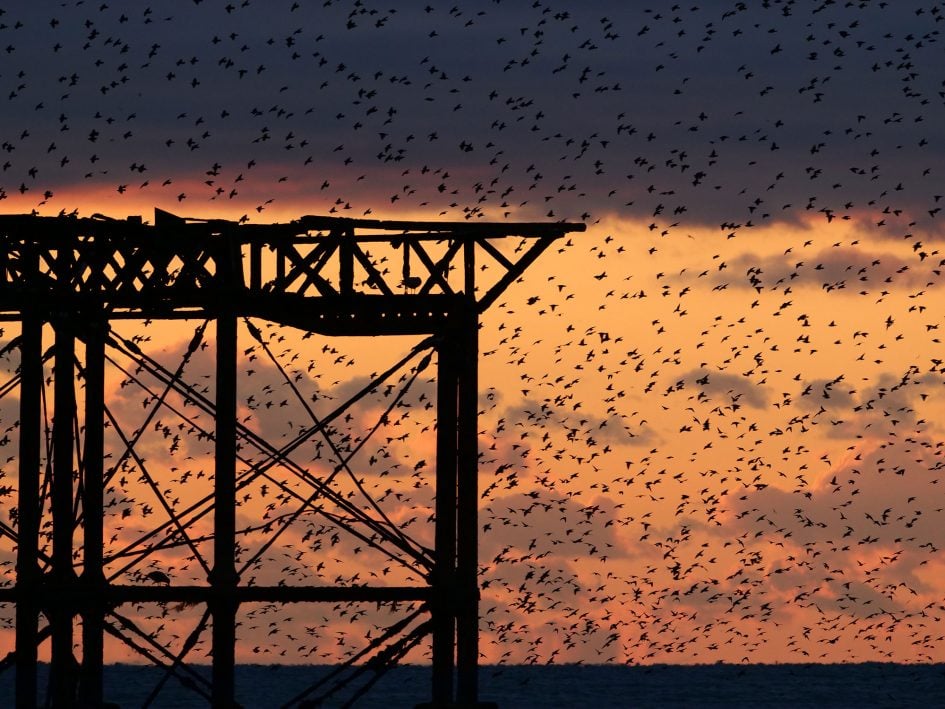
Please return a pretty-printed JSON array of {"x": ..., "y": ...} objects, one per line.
[{"x": 516, "y": 687}]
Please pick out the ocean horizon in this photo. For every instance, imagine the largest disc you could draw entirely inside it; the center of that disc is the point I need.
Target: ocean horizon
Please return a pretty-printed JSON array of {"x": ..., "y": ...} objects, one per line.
[{"x": 871, "y": 684}]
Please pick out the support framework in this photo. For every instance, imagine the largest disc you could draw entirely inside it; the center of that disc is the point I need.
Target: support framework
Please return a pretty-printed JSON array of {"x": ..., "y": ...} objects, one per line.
[{"x": 66, "y": 279}]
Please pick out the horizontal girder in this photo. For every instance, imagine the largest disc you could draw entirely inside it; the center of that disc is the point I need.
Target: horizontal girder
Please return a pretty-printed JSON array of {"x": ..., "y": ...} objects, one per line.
[{"x": 347, "y": 276}]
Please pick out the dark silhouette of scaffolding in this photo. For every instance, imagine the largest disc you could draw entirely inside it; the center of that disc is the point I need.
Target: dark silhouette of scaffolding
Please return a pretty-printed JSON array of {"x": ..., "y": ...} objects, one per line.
[{"x": 73, "y": 276}]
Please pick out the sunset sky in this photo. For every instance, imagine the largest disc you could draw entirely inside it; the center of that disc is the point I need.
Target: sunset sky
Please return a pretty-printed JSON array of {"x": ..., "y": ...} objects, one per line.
[{"x": 711, "y": 425}]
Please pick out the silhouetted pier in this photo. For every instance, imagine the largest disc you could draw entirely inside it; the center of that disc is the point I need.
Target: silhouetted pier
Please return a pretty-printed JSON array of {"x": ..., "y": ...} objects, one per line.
[{"x": 72, "y": 277}]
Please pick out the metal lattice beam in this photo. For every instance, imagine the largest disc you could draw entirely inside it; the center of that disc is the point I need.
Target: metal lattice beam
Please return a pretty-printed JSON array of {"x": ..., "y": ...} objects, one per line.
[{"x": 319, "y": 274}]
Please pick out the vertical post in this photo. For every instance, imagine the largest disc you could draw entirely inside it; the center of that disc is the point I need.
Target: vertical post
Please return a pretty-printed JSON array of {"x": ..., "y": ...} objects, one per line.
[
  {"x": 27, "y": 548},
  {"x": 93, "y": 578},
  {"x": 281, "y": 259},
  {"x": 59, "y": 602},
  {"x": 444, "y": 570},
  {"x": 224, "y": 577},
  {"x": 467, "y": 505},
  {"x": 346, "y": 262},
  {"x": 255, "y": 266}
]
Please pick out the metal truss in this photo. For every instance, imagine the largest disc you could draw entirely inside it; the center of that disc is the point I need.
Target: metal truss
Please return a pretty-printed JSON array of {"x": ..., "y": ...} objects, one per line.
[{"x": 69, "y": 282}]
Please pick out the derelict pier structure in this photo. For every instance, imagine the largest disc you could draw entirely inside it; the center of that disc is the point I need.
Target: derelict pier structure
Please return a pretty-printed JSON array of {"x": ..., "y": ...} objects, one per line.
[{"x": 66, "y": 281}]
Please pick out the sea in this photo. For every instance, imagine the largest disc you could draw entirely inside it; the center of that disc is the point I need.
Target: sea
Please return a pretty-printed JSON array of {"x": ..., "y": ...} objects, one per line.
[{"x": 523, "y": 687}]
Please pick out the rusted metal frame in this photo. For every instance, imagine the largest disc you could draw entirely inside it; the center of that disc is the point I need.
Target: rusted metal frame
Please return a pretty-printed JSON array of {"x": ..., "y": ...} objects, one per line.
[
  {"x": 409, "y": 545},
  {"x": 312, "y": 262},
  {"x": 281, "y": 258},
  {"x": 171, "y": 514},
  {"x": 92, "y": 494},
  {"x": 439, "y": 272},
  {"x": 345, "y": 458},
  {"x": 127, "y": 551},
  {"x": 469, "y": 277},
  {"x": 527, "y": 259},
  {"x": 59, "y": 608},
  {"x": 374, "y": 276},
  {"x": 356, "y": 516},
  {"x": 59, "y": 605},
  {"x": 63, "y": 225},
  {"x": 28, "y": 575}
]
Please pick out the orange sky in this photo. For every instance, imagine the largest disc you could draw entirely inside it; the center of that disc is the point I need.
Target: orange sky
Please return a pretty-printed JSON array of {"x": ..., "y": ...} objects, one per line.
[{"x": 677, "y": 466}]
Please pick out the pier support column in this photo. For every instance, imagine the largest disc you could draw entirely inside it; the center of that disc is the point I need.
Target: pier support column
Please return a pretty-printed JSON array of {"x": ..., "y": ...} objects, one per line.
[
  {"x": 60, "y": 598},
  {"x": 467, "y": 505},
  {"x": 455, "y": 579},
  {"x": 444, "y": 570},
  {"x": 92, "y": 581},
  {"x": 27, "y": 565},
  {"x": 224, "y": 577}
]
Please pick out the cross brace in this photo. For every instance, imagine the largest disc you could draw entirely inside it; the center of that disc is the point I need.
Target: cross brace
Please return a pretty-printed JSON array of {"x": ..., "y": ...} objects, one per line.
[{"x": 320, "y": 274}]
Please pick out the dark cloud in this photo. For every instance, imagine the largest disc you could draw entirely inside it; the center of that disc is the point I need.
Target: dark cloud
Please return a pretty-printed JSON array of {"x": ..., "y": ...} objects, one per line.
[{"x": 696, "y": 116}]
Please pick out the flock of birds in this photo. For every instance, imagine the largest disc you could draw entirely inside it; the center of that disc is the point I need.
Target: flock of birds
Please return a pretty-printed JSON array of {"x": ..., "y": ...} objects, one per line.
[{"x": 709, "y": 425}]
